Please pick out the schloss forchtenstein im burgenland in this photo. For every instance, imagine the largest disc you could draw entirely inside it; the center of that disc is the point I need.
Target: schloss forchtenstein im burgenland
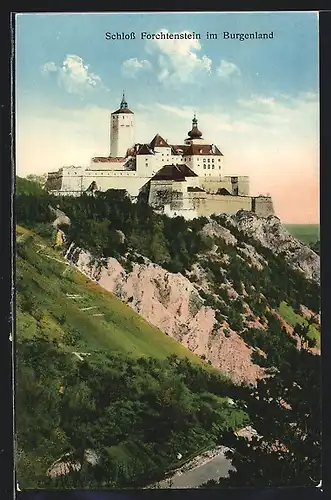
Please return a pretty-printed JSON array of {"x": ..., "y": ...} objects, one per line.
[{"x": 176, "y": 179}]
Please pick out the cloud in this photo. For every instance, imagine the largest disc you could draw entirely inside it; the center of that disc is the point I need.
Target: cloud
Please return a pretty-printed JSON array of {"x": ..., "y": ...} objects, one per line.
[
  {"x": 182, "y": 111},
  {"x": 177, "y": 59},
  {"x": 74, "y": 75},
  {"x": 227, "y": 69},
  {"x": 49, "y": 67},
  {"x": 283, "y": 112},
  {"x": 131, "y": 67}
]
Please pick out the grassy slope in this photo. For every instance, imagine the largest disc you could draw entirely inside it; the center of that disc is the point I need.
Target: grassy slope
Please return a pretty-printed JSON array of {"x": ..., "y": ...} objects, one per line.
[
  {"x": 46, "y": 282},
  {"x": 307, "y": 233},
  {"x": 293, "y": 318},
  {"x": 119, "y": 329}
]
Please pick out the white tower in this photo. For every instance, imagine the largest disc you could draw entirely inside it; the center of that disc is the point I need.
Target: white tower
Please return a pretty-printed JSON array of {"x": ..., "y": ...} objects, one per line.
[{"x": 121, "y": 130}]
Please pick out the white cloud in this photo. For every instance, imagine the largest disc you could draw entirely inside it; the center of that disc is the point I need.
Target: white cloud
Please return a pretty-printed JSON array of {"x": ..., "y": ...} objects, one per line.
[
  {"x": 282, "y": 112},
  {"x": 131, "y": 67},
  {"x": 227, "y": 70},
  {"x": 183, "y": 111},
  {"x": 49, "y": 67},
  {"x": 177, "y": 60},
  {"x": 74, "y": 75}
]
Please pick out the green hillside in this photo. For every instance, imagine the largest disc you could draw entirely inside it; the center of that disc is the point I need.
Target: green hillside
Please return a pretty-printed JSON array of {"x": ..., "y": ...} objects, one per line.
[
  {"x": 28, "y": 186},
  {"x": 93, "y": 319},
  {"x": 307, "y": 233},
  {"x": 93, "y": 374}
]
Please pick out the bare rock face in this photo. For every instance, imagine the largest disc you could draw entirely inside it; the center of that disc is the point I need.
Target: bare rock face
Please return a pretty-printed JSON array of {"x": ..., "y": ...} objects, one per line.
[
  {"x": 214, "y": 229},
  {"x": 173, "y": 304},
  {"x": 270, "y": 233}
]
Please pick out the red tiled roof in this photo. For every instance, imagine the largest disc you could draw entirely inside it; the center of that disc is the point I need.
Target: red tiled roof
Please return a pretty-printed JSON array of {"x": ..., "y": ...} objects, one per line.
[
  {"x": 144, "y": 149},
  {"x": 174, "y": 172},
  {"x": 201, "y": 149},
  {"x": 158, "y": 141},
  {"x": 123, "y": 110},
  {"x": 178, "y": 147},
  {"x": 223, "y": 191},
  {"x": 174, "y": 151}
]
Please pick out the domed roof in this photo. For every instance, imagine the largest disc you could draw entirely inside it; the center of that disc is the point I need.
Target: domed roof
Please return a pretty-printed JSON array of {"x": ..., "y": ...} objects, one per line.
[{"x": 195, "y": 132}]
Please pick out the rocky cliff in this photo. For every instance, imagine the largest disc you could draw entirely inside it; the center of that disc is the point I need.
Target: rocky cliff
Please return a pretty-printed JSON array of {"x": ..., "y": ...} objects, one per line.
[
  {"x": 176, "y": 303},
  {"x": 270, "y": 233}
]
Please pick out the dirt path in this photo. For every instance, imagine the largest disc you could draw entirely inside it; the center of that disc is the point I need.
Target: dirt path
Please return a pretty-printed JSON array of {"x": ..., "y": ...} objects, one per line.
[{"x": 197, "y": 462}]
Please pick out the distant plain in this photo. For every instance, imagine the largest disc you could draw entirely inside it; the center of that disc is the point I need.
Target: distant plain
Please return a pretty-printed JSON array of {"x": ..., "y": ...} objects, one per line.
[{"x": 307, "y": 233}]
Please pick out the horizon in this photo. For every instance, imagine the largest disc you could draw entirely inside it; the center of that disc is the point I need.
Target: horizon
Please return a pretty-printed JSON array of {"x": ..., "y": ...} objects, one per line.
[{"x": 257, "y": 100}]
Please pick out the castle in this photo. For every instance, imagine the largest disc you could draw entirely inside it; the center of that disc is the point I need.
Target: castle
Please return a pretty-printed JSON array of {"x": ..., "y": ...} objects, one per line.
[{"x": 176, "y": 179}]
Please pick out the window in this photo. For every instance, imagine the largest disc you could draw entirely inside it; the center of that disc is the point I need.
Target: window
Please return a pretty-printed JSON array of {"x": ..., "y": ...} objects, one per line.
[
  {"x": 208, "y": 166},
  {"x": 212, "y": 160},
  {"x": 208, "y": 160},
  {"x": 213, "y": 166},
  {"x": 204, "y": 166},
  {"x": 204, "y": 159}
]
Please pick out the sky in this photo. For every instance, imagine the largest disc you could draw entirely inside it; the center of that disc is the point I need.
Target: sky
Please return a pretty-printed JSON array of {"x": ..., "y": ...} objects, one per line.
[{"x": 257, "y": 100}]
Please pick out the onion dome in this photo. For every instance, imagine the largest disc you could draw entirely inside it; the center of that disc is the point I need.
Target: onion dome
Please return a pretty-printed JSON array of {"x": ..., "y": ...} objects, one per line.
[{"x": 195, "y": 132}]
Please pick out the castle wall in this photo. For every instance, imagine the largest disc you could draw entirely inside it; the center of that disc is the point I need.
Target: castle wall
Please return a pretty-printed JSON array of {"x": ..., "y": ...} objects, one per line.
[
  {"x": 213, "y": 184},
  {"x": 235, "y": 185},
  {"x": 263, "y": 206},
  {"x": 241, "y": 181},
  {"x": 205, "y": 165},
  {"x": 107, "y": 165},
  {"x": 54, "y": 181},
  {"x": 170, "y": 193},
  {"x": 72, "y": 178},
  {"x": 116, "y": 180},
  {"x": 147, "y": 165},
  {"x": 187, "y": 213},
  {"x": 213, "y": 203}
]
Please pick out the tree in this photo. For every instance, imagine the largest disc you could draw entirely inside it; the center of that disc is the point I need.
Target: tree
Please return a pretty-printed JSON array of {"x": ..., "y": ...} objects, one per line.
[{"x": 285, "y": 410}]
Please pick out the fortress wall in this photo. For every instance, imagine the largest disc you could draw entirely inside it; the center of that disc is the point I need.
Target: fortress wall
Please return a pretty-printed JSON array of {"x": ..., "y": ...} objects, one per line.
[
  {"x": 53, "y": 181},
  {"x": 243, "y": 186},
  {"x": 192, "y": 182},
  {"x": 163, "y": 193},
  {"x": 213, "y": 184},
  {"x": 107, "y": 165},
  {"x": 188, "y": 213},
  {"x": 124, "y": 180},
  {"x": 264, "y": 206},
  {"x": 71, "y": 182},
  {"x": 213, "y": 203}
]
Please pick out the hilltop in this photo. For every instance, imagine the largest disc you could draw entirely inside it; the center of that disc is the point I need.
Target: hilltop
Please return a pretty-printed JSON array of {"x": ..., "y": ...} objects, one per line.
[{"x": 235, "y": 292}]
